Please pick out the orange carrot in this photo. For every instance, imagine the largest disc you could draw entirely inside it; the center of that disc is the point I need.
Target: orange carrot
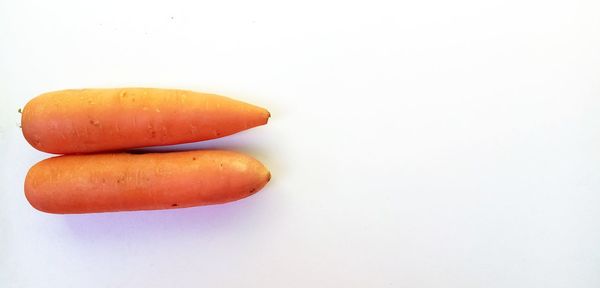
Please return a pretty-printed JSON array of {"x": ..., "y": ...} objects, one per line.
[
  {"x": 123, "y": 182},
  {"x": 93, "y": 120}
]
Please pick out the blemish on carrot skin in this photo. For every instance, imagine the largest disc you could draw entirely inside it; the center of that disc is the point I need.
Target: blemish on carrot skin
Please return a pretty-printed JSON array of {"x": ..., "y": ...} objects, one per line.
[
  {"x": 193, "y": 158},
  {"x": 95, "y": 122},
  {"x": 174, "y": 205}
]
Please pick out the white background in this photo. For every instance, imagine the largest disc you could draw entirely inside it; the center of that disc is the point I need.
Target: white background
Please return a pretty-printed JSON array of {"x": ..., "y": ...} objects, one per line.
[{"x": 412, "y": 143}]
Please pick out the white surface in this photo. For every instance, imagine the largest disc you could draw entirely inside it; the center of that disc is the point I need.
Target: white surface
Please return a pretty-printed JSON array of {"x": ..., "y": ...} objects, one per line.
[{"x": 425, "y": 144}]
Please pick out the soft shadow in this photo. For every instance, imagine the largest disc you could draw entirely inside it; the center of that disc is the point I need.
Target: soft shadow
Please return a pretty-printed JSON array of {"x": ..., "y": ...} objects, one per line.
[
  {"x": 246, "y": 141},
  {"x": 164, "y": 223}
]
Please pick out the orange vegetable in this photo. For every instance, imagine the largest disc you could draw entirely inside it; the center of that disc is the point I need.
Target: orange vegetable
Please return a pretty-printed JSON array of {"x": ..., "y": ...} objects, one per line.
[
  {"x": 123, "y": 182},
  {"x": 93, "y": 120}
]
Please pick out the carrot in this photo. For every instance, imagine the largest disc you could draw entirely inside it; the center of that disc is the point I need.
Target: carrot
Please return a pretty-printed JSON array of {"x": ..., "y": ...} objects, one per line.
[
  {"x": 93, "y": 120},
  {"x": 123, "y": 182}
]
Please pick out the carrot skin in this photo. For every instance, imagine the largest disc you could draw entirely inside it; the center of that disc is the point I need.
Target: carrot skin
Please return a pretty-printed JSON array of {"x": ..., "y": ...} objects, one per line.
[
  {"x": 111, "y": 182},
  {"x": 96, "y": 120}
]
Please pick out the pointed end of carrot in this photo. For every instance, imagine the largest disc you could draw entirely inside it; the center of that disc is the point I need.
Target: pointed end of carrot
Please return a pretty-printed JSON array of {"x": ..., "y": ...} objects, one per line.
[{"x": 262, "y": 116}]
